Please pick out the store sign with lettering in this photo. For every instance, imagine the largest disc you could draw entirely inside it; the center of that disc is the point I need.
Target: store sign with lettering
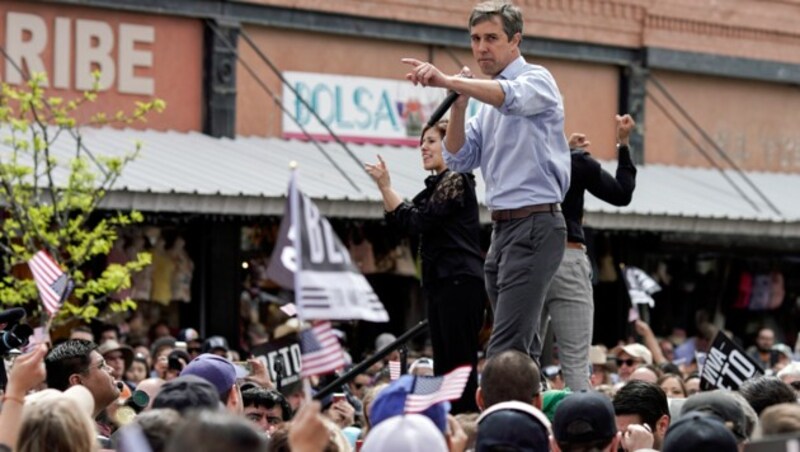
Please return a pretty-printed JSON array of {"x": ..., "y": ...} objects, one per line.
[
  {"x": 359, "y": 109},
  {"x": 69, "y": 50}
]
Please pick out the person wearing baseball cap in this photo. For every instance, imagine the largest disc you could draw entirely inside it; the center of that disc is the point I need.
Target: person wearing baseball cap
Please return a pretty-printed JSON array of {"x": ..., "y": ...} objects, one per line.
[
  {"x": 222, "y": 374},
  {"x": 585, "y": 421},
  {"x": 721, "y": 404},
  {"x": 699, "y": 432},
  {"x": 630, "y": 357}
]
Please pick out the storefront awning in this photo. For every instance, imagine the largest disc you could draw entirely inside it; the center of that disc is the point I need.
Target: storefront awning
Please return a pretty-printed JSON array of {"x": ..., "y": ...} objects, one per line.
[{"x": 195, "y": 173}]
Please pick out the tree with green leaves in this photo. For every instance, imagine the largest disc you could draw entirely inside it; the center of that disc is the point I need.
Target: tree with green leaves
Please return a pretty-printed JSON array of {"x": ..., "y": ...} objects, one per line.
[{"x": 51, "y": 194}]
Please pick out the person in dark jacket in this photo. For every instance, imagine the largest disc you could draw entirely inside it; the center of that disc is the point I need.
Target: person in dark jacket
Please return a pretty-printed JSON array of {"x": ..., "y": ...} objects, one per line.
[
  {"x": 445, "y": 216},
  {"x": 569, "y": 302}
]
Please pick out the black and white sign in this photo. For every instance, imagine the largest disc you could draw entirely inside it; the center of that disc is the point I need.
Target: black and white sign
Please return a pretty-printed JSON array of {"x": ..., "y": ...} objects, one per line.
[
  {"x": 327, "y": 284},
  {"x": 287, "y": 351},
  {"x": 727, "y": 365}
]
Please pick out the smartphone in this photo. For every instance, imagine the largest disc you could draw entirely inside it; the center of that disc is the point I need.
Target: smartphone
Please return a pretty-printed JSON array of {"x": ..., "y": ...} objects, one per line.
[
  {"x": 337, "y": 396},
  {"x": 245, "y": 365}
]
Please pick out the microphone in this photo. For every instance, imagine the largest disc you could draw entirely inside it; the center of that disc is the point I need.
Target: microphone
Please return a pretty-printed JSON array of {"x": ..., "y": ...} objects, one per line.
[
  {"x": 442, "y": 108},
  {"x": 12, "y": 315}
]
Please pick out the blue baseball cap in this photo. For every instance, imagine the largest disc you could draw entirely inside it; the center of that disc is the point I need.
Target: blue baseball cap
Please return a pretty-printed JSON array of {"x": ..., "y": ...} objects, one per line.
[
  {"x": 216, "y": 370},
  {"x": 391, "y": 401}
]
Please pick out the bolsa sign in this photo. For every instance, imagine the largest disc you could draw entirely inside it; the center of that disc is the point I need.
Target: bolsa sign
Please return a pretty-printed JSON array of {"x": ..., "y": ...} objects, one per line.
[{"x": 359, "y": 109}]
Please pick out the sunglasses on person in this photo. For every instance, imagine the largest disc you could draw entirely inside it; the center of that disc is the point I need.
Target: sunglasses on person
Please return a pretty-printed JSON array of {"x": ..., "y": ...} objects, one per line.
[{"x": 630, "y": 362}]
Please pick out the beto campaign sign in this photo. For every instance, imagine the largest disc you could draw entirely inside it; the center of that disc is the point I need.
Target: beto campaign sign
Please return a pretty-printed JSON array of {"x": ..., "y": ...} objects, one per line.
[
  {"x": 286, "y": 351},
  {"x": 727, "y": 365},
  {"x": 327, "y": 284}
]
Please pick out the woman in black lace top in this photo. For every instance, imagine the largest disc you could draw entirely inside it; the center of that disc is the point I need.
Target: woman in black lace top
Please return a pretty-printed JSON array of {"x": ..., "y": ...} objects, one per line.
[{"x": 445, "y": 216}]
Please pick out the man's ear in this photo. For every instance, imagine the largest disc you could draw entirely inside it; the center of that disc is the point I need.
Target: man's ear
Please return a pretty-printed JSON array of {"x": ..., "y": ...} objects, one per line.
[
  {"x": 662, "y": 425},
  {"x": 235, "y": 399},
  {"x": 479, "y": 399},
  {"x": 75, "y": 379},
  {"x": 537, "y": 401},
  {"x": 516, "y": 39}
]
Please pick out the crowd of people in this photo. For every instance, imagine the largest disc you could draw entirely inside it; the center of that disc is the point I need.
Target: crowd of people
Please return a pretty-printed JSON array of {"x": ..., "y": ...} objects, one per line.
[
  {"x": 74, "y": 397},
  {"x": 100, "y": 390}
]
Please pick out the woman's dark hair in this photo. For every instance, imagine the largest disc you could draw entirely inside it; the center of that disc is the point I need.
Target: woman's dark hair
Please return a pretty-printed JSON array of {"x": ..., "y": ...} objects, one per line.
[{"x": 440, "y": 126}]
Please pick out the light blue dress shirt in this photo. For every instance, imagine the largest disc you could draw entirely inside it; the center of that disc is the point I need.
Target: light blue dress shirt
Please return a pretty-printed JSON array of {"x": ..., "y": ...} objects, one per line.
[{"x": 520, "y": 147}]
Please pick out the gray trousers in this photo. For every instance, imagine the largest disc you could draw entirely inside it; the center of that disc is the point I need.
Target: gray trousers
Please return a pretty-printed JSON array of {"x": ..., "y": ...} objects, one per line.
[
  {"x": 570, "y": 305},
  {"x": 522, "y": 259}
]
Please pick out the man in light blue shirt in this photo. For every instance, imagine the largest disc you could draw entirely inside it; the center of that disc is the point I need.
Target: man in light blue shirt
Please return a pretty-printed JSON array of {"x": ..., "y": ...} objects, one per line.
[{"x": 517, "y": 139}]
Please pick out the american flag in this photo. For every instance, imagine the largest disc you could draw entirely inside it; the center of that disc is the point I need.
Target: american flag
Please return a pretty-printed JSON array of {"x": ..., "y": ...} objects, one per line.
[
  {"x": 54, "y": 285},
  {"x": 394, "y": 370},
  {"x": 321, "y": 350},
  {"x": 432, "y": 390}
]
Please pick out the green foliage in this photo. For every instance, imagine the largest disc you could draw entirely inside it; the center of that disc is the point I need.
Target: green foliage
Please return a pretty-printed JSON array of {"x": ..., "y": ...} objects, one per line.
[{"x": 51, "y": 203}]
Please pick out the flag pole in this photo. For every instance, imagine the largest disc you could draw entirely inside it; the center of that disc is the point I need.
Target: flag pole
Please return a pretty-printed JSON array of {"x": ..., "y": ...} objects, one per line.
[{"x": 294, "y": 204}]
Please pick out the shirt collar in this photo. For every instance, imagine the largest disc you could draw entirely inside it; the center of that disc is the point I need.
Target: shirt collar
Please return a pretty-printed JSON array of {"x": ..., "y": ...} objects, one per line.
[
  {"x": 512, "y": 70},
  {"x": 434, "y": 179}
]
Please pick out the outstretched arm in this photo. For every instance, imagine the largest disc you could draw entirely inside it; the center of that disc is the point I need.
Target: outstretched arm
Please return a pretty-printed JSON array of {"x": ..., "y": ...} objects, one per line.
[
  {"x": 380, "y": 174},
  {"x": 425, "y": 74}
]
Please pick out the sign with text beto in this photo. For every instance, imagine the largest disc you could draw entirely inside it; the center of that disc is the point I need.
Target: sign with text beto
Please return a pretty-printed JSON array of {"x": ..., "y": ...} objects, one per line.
[
  {"x": 359, "y": 109},
  {"x": 287, "y": 351},
  {"x": 727, "y": 365}
]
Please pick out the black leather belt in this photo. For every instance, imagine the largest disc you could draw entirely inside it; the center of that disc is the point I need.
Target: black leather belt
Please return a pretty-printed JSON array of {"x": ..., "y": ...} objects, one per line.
[{"x": 524, "y": 212}]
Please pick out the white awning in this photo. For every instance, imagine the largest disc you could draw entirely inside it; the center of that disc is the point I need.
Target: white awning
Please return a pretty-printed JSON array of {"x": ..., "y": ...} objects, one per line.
[{"x": 192, "y": 172}]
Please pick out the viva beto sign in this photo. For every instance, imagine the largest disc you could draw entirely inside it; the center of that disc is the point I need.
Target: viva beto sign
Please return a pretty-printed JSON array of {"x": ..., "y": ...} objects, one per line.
[{"x": 359, "y": 109}]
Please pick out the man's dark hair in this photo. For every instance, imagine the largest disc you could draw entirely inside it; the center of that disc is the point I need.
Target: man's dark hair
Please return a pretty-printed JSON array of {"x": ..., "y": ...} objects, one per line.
[
  {"x": 266, "y": 398},
  {"x": 763, "y": 392},
  {"x": 647, "y": 400},
  {"x": 214, "y": 431},
  {"x": 510, "y": 375},
  {"x": 158, "y": 426},
  {"x": 109, "y": 327},
  {"x": 70, "y": 357},
  {"x": 598, "y": 445},
  {"x": 510, "y": 16},
  {"x": 187, "y": 393}
]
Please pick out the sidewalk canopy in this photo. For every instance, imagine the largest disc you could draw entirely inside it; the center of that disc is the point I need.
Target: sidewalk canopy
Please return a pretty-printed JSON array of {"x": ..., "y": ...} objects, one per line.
[{"x": 196, "y": 173}]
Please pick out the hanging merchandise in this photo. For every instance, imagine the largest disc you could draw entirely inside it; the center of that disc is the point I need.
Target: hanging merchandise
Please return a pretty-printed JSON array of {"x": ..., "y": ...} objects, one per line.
[
  {"x": 163, "y": 269},
  {"x": 184, "y": 267},
  {"x": 361, "y": 252},
  {"x": 745, "y": 290},
  {"x": 141, "y": 281},
  {"x": 777, "y": 290},
  {"x": 404, "y": 260},
  {"x": 759, "y": 299}
]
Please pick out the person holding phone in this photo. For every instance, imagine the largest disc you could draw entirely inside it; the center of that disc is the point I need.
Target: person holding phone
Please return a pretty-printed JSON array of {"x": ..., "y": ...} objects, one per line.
[{"x": 445, "y": 216}]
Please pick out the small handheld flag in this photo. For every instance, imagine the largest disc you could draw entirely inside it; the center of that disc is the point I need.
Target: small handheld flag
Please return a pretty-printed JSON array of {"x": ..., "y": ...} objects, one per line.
[
  {"x": 54, "y": 285},
  {"x": 321, "y": 352},
  {"x": 432, "y": 390}
]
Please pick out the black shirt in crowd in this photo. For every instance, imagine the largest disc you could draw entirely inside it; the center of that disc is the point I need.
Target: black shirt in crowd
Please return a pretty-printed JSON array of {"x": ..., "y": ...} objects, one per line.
[
  {"x": 445, "y": 215},
  {"x": 588, "y": 175}
]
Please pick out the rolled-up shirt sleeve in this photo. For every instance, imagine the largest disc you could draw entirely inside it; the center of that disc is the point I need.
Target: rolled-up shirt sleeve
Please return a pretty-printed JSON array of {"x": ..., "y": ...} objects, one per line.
[
  {"x": 531, "y": 93},
  {"x": 469, "y": 156}
]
